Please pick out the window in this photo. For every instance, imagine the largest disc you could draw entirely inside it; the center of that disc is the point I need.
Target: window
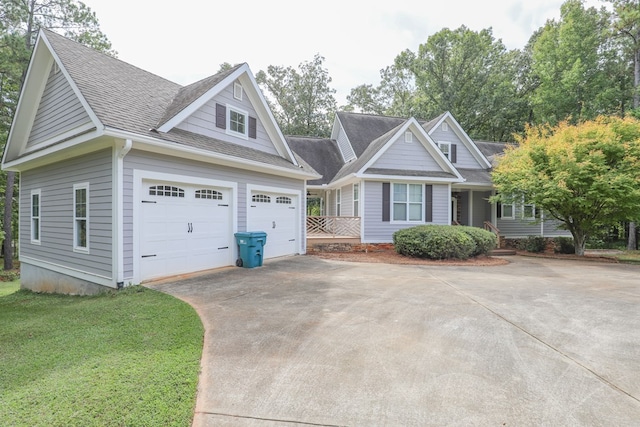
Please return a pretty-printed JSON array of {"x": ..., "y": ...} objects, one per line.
[
  {"x": 506, "y": 211},
  {"x": 407, "y": 202},
  {"x": 445, "y": 147},
  {"x": 81, "y": 217},
  {"x": 237, "y": 91},
  {"x": 166, "y": 191},
  {"x": 35, "y": 216},
  {"x": 283, "y": 200},
  {"x": 408, "y": 137},
  {"x": 208, "y": 194},
  {"x": 528, "y": 211},
  {"x": 237, "y": 122},
  {"x": 338, "y": 201},
  {"x": 356, "y": 199},
  {"x": 260, "y": 198}
]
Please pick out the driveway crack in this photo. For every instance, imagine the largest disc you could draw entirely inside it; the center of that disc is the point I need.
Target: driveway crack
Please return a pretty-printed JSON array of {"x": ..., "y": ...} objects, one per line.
[
  {"x": 246, "y": 417},
  {"x": 540, "y": 340}
]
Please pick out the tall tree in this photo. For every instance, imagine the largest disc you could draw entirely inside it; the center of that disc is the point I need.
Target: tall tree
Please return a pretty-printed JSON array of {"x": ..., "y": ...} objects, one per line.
[
  {"x": 302, "y": 100},
  {"x": 20, "y": 21},
  {"x": 570, "y": 59},
  {"x": 627, "y": 23},
  {"x": 587, "y": 176},
  {"x": 470, "y": 74}
]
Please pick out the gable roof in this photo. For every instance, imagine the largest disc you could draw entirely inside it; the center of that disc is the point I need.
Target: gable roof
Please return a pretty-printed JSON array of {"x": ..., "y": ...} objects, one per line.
[
  {"x": 378, "y": 146},
  {"x": 322, "y": 154},
  {"x": 362, "y": 129},
  {"x": 127, "y": 102}
]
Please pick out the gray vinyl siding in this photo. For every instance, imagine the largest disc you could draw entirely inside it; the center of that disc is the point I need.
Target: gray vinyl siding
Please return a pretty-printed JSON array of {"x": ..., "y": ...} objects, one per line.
[
  {"x": 407, "y": 156},
  {"x": 203, "y": 122},
  {"x": 59, "y": 111},
  {"x": 378, "y": 231},
  {"x": 464, "y": 158},
  {"x": 481, "y": 208},
  {"x": 56, "y": 184},
  {"x": 518, "y": 227},
  {"x": 345, "y": 147},
  {"x": 138, "y": 160},
  {"x": 347, "y": 200}
]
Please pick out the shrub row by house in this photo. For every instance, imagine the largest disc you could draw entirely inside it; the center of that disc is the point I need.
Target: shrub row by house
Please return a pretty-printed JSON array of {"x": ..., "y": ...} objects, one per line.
[{"x": 443, "y": 242}]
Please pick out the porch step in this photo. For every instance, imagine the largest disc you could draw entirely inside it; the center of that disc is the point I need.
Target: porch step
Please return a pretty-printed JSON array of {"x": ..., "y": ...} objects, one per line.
[{"x": 502, "y": 252}]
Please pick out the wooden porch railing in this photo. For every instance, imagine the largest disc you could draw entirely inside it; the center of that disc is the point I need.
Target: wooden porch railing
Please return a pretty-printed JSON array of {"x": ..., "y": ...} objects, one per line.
[
  {"x": 490, "y": 227},
  {"x": 342, "y": 226}
]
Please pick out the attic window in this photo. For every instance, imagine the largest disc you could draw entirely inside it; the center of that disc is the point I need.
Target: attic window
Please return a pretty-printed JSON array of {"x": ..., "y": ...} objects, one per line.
[
  {"x": 445, "y": 127},
  {"x": 408, "y": 137},
  {"x": 237, "y": 122},
  {"x": 237, "y": 91}
]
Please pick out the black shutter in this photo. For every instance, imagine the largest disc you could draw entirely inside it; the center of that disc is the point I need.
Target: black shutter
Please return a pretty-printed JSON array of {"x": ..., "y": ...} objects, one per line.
[
  {"x": 386, "y": 201},
  {"x": 499, "y": 210},
  {"x": 454, "y": 153},
  {"x": 428, "y": 203},
  {"x": 221, "y": 116},
  {"x": 253, "y": 125}
]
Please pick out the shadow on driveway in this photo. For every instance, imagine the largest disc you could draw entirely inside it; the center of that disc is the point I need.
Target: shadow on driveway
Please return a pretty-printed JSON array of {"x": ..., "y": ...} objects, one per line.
[{"x": 305, "y": 341}]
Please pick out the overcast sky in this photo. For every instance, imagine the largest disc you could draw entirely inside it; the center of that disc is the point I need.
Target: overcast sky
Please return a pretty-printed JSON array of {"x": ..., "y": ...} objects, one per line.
[{"x": 187, "y": 40}]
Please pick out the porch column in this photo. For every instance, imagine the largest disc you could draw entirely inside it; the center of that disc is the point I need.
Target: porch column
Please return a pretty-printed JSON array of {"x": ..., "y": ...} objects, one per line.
[{"x": 471, "y": 208}]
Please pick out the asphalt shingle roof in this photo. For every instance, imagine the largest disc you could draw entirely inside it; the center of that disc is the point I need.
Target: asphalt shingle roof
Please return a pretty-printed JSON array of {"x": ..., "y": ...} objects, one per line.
[
  {"x": 127, "y": 98},
  {"x": 363, "y": 129},
  {"x": 322, "y": 154}
]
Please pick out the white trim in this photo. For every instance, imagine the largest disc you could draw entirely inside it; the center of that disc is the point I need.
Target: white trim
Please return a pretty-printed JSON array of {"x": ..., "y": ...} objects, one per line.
[
  {"x": 118, "y": 211},
  {"x": 73, "y": 272},
  {"x": 454, "y": 208},
  {"x": 237, "y": 91},
  {"x": 302, "y": 214},
  {"x": 140, "y": 175},
  {"x": 245, "y": 114},
  {"x": 87, "y": 218},
  {"x": 533, "y": 211},
  {"x": 448, "y": 145},
  {"x": 407, "y": 203},
  {"x": 61, "y": 137},
  {"x": 338, "y": 204},
  {"x": 513, "y": 211},
  {"x": 35, "y": 192},
  {"x": 354, "y": 199}
]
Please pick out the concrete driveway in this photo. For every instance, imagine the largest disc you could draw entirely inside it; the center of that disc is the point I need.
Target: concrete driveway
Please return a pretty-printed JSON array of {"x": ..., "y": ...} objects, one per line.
[{"x": 304, "y": 341}]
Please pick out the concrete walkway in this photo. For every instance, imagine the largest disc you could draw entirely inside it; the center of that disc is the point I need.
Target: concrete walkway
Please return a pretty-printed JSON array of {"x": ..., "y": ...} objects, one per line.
[{"x": 304, "y": 341}]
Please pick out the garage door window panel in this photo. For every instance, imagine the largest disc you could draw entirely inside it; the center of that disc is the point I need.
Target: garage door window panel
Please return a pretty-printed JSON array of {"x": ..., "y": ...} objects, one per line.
[
  {"x": 166, "y": 191},
  {"x": 208, "y": 194},
  {"x": 260, "y": 198}
]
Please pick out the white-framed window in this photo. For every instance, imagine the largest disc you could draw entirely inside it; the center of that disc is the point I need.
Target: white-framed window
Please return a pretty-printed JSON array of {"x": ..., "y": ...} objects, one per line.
[
  {"x": 338, "y": 201},
  {"x": 528, "y": 211},
  {"x": 445, "y": 147},
  {"x": 237, "y": 122},
  {"x": 356, "y": 199},
  {"x": 237, "y": 91},
  {"x": 35, "y": 216},
  {"x": 407, "y": 202},
  {"x": 81, "y": 217},
  {"x": 445, "y": 127},
  {"x": 408, "y": 136},
  {"x": 508, "y": 211}
]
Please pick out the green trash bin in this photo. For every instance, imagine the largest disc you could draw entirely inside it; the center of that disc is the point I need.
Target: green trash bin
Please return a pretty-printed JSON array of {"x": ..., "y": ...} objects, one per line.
[{"x": 251, "y": 245}]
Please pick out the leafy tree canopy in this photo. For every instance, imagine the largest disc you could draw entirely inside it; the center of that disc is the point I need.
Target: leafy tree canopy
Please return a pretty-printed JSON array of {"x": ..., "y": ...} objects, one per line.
[
  {"x": 587, "y": 175},
  {"x": 302, "y": 100}
]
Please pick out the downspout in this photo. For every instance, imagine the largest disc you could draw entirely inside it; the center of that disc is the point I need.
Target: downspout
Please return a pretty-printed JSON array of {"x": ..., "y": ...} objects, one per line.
[{"x": 119, "y": 211}]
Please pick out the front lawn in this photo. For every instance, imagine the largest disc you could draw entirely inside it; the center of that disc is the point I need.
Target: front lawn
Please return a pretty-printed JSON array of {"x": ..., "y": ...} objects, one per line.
[
  {"x": 128, "y": 358},
  {"x": 629, "y": 257},
  {"x": 7, "y": 288}
]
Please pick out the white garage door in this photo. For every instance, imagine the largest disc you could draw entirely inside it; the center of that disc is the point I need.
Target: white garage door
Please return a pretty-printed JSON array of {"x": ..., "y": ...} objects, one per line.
[
  {"x": 184, "y": 228},
  {"x": 277, "y": 215}
]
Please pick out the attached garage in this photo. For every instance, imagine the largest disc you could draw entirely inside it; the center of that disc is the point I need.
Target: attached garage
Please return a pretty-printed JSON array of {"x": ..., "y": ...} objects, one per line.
[
  {"x": 184, "y": 227},
  {"x": 277, "y": 213}
]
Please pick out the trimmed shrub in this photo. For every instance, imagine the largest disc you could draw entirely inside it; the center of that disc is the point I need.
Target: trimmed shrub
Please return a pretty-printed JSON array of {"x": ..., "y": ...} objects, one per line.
[
  {"x": 434, "y": 242},
  {"x": 534, "y": 244},
  {"x": 564, "y": 245},
  {"x": 485, "y": 240}
]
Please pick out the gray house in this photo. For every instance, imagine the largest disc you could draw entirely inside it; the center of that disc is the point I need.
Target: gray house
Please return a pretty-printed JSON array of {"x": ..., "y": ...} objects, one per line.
[
  {"x": 126, "y": 177},
  {"x": 382, "y": 174}
]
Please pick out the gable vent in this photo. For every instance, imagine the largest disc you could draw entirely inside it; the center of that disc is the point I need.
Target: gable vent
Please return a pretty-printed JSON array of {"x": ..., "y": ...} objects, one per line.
[{"x": 237, "y": 91}]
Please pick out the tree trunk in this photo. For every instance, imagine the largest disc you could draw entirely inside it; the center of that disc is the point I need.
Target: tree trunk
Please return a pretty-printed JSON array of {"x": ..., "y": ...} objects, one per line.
[
  {"x": 632, "y": 243},
  {"x": 579, "y": 242},
  {"x": 8, "y": 217}
]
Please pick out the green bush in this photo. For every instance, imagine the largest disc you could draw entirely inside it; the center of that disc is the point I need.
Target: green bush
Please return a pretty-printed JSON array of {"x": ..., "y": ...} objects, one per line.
[
  {"x": 485, "y": 240},
  {"x": 534, "y": 244},
  {"x": 564, "y": 245},
  {"x": 434, "y": 242}
]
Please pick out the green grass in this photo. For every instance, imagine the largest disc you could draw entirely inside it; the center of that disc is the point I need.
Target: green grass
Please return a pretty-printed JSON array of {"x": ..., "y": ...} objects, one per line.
[
  {"x": 128, "y": 358},
  {"x": 629, "y": 257},
  {"x": 7, "y": 288}
]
